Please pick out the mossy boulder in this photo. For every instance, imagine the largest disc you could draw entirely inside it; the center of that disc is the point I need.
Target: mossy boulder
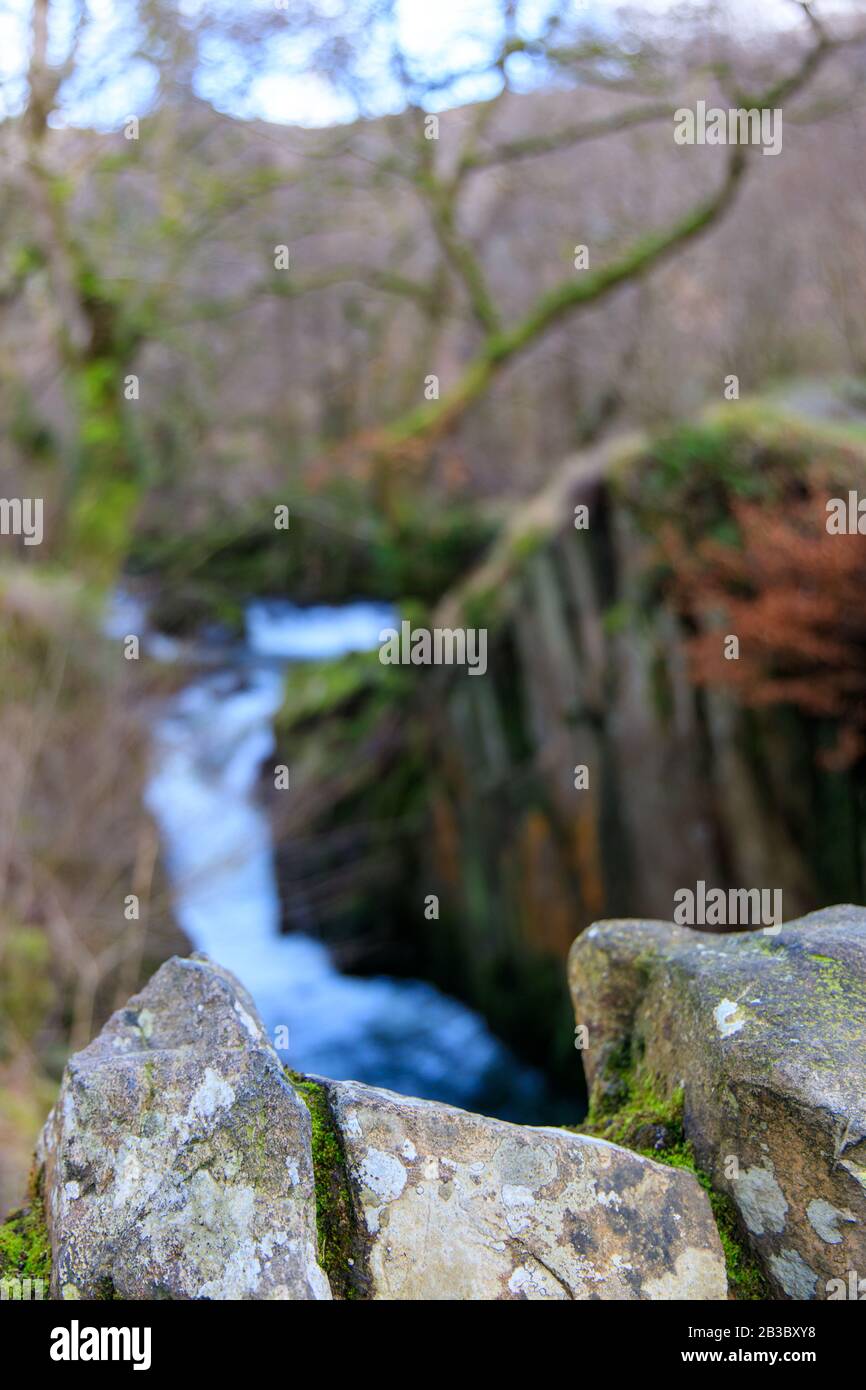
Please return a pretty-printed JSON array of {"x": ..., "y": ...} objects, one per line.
[{"x": 758, "y": 1040}]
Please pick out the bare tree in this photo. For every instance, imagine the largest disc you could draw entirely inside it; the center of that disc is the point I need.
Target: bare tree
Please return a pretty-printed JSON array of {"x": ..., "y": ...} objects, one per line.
[{"x": 640, "y": 82}]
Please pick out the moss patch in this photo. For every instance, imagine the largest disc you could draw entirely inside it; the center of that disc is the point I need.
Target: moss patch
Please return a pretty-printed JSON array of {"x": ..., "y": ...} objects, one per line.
[
  {"x": 25, "y": 1249},
  {"x": 745, "y": 1277},
  {"x": 627, "y": 1107},
  {"x": 339, "y": 1249},
  {"x": 356, "y": 689}
]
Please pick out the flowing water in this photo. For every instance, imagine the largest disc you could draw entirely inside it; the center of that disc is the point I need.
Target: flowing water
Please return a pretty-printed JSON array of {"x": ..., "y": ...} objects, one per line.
[{"x": 210, "y": 742}]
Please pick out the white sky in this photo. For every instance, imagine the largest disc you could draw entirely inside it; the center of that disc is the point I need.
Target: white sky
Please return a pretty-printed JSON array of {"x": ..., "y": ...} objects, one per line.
[{"x": 452, "y": 29}]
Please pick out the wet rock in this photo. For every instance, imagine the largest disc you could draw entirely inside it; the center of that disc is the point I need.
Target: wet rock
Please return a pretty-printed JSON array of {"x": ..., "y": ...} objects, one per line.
[
  {"x": 451, "y": 1205},
  {"x": 177, "y": 1158},
  {"x": 765, "y": 1034}
]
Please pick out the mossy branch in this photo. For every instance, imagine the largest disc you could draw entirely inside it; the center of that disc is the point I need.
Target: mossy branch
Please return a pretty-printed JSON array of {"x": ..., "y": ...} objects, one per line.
[
  {"x": 551, "y": 142},
  {"x": 500, "y": 348}
]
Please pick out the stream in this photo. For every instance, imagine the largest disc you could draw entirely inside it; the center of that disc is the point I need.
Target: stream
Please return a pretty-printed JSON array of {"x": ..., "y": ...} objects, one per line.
[{"x": 210, "y": 741}]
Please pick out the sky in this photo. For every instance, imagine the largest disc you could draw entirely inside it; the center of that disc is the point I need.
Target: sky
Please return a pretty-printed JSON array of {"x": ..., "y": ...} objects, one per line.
[{"x": 456, "y": 31}]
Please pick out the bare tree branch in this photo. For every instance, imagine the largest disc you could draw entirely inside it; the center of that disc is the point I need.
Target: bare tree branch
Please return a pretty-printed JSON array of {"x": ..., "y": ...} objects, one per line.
[{"x": 566, "y": 136}]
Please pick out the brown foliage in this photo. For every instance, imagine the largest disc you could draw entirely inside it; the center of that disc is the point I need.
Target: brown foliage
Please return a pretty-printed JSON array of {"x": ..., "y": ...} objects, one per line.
[{"x": 793, "y": 595}]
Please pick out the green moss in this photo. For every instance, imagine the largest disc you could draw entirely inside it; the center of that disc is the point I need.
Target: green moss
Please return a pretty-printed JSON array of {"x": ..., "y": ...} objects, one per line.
[
  {"x": 630, "y": 1110},
  {"x": 482, "y": 607},
  {"x": 765, "y": 944},
  {"x": 25, "y": 1248},
  {"x": 526, "y": 544},
  {"x": 335, "y": 1223},
  {"x": 316, "y": 689},
  {"x": 745, "y": 1278},
  {"x": 693, "y": 475},
  {"x": 618, "y": 618},
  {"x": 611, "y": 1089},
  {"x": 651, "y": 1123},
  {"x": 357, "y": 687}
]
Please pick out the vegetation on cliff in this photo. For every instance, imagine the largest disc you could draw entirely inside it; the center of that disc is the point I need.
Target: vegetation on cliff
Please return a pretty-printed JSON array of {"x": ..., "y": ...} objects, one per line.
[{"x": 470, "y": 791}]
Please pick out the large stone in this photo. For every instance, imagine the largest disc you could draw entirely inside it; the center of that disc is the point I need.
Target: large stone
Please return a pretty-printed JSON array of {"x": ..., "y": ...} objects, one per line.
[
  {"x": 765, "y": 1033},
  {"x": 178, "y": 1158},
  {"x": 456, "y": 1206}
]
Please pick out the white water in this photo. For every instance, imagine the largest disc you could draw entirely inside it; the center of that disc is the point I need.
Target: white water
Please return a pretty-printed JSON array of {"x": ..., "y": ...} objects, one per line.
[{"x": 210, "y": 743}]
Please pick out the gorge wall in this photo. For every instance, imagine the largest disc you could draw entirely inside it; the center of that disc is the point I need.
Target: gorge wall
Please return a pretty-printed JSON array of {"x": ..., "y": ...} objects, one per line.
[{"x": 589, "y": 773}]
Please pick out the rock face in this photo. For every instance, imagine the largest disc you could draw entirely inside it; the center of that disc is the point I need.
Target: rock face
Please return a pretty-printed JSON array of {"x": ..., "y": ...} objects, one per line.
[
  {"x": 179, "y": 1163},
  {"x": 456, "y": 1206},
  {"x": 765, "y": 1032},
  {"x": 588, "y": 668},
  {"x": 177, "y": 1158}
]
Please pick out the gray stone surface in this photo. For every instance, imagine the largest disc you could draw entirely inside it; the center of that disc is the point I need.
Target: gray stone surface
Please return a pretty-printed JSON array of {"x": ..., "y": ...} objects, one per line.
[
  {"x": 765, "y": 1032},
  {"x": 177, "y": 1158},
  {"x": 457, "y": 1206}
]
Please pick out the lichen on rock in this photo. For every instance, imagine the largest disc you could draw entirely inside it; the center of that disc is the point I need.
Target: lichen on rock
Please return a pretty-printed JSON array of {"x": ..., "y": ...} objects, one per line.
[
  {"x": 452, "y": 1205},
  {"x": 177, "y": 1158},
  {"x": 773, "y": 1110},
  {"x": 181, "y": 1160}
]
